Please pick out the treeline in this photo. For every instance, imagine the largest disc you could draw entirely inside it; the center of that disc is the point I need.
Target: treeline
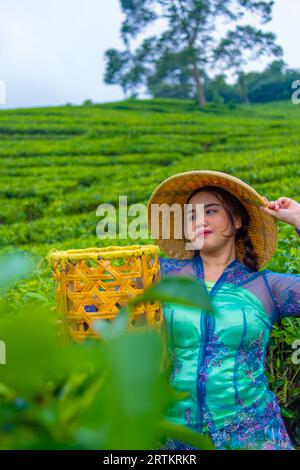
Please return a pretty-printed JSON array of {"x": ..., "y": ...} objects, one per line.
[{"x": 273, "y": 84}]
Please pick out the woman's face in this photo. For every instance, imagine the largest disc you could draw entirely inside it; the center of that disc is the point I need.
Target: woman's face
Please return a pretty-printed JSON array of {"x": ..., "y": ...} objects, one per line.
[{"x": 215, "y": 221}]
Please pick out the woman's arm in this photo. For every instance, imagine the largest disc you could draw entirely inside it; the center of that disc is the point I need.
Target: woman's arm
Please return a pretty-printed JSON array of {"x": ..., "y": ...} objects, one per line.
[{"x": 285, "y": 288}]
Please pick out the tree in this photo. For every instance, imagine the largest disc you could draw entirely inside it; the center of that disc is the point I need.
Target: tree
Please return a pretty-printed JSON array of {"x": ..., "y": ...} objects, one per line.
[
  {"x": 243, "y": 46},
  {"x": 172, "y": 76},
  {"x": 123, "y": 70},
  {"x": 219, "y": 91},
  {"x": 189, "y": 36}
]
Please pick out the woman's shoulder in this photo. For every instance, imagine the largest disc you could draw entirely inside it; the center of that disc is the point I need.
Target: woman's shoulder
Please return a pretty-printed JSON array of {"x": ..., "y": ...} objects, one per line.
[{"x": 270, "y": 274}]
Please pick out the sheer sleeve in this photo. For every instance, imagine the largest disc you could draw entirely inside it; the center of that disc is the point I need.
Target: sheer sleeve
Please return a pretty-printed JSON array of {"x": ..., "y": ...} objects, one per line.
[
  {"x": 173, "y": 267},
  {"x": 285, "y": 290}
]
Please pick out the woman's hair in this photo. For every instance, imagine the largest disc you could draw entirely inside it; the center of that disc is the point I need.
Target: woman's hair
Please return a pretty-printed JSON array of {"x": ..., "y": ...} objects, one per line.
[{"x": 233, "y": 207}]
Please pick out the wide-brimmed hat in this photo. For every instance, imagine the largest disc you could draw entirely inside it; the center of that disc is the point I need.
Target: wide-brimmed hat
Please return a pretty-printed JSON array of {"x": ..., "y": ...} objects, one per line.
[{"x": 177, "y": 189}]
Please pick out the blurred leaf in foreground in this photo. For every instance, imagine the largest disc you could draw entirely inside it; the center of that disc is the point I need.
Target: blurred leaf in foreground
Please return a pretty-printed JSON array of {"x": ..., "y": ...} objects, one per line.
[
  {"x": 180, "y": 290},
  {"x": 107, "y": 394},
  {"x": 14, "y": 266}
]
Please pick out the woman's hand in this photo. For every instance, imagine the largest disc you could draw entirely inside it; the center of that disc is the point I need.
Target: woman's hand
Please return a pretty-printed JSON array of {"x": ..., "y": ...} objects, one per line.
[{"x": 284, "y": 209}]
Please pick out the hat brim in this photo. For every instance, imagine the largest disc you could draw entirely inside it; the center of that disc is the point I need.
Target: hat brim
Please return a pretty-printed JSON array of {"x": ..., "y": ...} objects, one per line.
[{"x": 177, "y": 189}]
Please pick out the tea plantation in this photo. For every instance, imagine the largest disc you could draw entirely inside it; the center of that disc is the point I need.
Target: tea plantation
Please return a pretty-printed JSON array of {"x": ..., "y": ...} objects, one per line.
[{"x": 59, "y": 163}]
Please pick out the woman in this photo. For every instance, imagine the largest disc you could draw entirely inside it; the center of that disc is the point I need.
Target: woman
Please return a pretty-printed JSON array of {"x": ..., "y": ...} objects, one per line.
[{"x": 219, "y": 358}]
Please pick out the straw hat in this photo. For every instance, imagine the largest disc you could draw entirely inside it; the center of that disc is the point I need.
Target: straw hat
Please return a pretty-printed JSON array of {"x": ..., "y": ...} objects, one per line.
[{"x": 177, "y": 189}]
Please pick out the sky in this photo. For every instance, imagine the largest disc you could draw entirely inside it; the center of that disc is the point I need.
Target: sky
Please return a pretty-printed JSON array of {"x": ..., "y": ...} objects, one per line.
[{"x": 52, "y": 52}]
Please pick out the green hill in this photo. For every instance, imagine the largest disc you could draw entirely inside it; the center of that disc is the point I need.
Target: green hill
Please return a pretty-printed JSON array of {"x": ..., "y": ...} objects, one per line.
[{"x": 59, "y": 163}]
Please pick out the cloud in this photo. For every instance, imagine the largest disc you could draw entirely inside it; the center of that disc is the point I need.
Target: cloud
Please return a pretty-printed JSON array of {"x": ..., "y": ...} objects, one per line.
[{"x": 52, "y": 52}]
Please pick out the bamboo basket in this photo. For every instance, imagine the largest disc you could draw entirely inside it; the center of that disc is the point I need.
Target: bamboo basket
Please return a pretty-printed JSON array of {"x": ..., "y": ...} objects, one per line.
[{"x": 94, "y": 283}]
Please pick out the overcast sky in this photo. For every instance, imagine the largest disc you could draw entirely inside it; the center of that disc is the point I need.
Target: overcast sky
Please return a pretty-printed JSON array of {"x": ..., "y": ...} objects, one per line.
[{"x": 52, "y": 52}]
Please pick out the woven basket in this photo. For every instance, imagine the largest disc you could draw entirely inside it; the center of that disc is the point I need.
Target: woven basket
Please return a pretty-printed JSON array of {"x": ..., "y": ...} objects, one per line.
[{"x": 94, "y": 283}]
